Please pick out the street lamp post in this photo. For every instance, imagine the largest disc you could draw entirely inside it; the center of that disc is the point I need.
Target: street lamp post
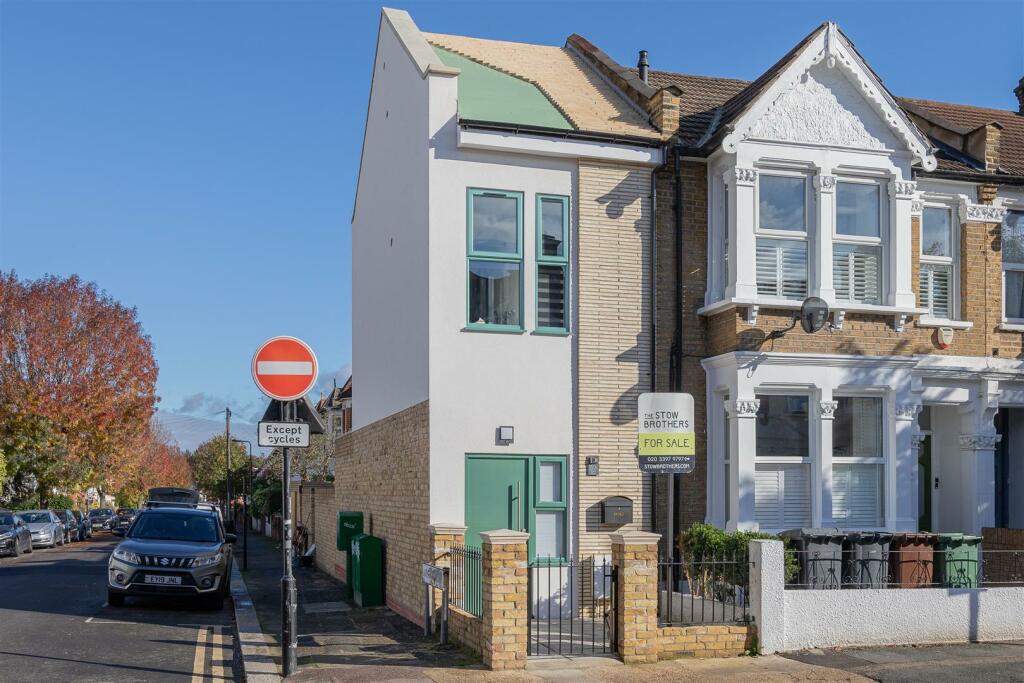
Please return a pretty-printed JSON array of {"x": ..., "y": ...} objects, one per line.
[{"x": 247, "y": 483}]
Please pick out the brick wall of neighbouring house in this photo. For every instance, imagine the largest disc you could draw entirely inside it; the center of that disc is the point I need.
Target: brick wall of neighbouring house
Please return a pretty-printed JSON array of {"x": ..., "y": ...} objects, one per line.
[
  {"x": 613, "y": 340},
  {"x": 328, "y": 558},
  {"x": 313, "y": 497},
  {"x": 382, "y": 470},
  {"x": 1003, "y": 551}
]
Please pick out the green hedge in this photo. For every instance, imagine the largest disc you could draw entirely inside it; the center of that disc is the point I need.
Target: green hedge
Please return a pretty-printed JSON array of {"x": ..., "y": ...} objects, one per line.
[{"x": 715, "y": 560}]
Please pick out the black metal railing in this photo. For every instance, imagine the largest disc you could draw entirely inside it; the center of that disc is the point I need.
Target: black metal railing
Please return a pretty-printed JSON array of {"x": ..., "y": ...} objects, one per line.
[
  {"x": 916, "y": 568},
  {"x": 572, "y": 607},
  {"x": 465, "y": 579},
  {"x": 711, "y": 588}
]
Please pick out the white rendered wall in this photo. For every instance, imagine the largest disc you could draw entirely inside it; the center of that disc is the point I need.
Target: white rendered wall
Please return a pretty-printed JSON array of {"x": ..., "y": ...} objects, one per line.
[
  {"x": 481, "y": 380},
  {"x": 389, "y": 241}
]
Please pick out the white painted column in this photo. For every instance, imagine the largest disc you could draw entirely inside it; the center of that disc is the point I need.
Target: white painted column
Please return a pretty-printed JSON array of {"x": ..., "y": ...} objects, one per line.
[
  {"x": 742, "y": 245},
  {"x": 767, "y": 596},
  {"x": 901, "y": 196},
  {"x": 825, "y": 196},
  {"x": 901, "y": 494},
  {"x": 978, "y": 441},
  {"x": 821, "y": 502},
  {"x": 742, "y": 450}
]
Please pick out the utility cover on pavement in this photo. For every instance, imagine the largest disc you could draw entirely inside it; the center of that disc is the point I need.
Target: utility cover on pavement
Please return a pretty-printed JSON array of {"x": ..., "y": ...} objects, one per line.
[
  {"x": 283, "y": 434},
  {"x": 666, "y": 440}
]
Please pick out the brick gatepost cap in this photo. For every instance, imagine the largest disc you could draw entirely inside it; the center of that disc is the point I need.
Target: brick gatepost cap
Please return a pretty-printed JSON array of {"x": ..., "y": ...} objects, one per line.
[
  {"x": 504, "y": 537},
  {"x": 635, "y": 538},
  {"x": 446, "y": 528}
]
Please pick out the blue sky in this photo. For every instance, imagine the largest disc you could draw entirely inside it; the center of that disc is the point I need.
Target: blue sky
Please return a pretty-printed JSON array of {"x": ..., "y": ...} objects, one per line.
[{"x": 198, "y": 159}]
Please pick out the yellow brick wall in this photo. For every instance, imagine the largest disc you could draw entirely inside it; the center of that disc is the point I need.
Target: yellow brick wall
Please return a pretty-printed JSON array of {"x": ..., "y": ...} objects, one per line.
[
  {"x": 382, "y": 470},
  {"x": 613, "y": 340}
]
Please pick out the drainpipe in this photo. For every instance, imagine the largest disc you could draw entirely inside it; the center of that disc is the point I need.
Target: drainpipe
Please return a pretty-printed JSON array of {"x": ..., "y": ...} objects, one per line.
[
  {"x": 676, "y": 369},
  {"x": 654, "y": 309}
]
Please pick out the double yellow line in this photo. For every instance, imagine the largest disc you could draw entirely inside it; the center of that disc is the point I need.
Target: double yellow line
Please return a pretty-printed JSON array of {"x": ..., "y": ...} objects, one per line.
[{"x": 211, "y": 639}]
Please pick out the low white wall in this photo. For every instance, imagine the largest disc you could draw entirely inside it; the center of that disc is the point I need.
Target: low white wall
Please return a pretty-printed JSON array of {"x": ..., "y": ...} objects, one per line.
[{"x": 790, "y": 620}]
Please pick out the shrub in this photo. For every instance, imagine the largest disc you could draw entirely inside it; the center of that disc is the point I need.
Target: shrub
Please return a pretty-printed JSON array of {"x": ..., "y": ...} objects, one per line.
[{"x": 715, "y": 560}]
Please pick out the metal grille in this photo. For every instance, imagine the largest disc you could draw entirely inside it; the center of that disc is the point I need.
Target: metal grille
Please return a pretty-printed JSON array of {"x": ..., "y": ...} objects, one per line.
[
  {"x": 166, "y": 562},
  {"x": 711, "y": 588},
  {"x": 465, "y": 580},
  {"x": 572, "y": 607},
  {"x": 915, "y": 568}
]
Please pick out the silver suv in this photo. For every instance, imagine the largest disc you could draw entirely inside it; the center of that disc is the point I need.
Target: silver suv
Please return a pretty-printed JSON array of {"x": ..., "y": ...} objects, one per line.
[{"x": 172, "y": 551}]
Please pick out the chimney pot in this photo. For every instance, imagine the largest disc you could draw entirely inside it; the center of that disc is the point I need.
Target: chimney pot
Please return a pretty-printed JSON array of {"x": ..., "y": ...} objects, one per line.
[
  {"x": 642, "y": 65},
  {"x": 1019, "y": 92}
]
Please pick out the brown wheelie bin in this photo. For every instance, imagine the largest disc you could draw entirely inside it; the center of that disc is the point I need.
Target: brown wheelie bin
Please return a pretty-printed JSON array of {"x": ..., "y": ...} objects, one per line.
[{"x": 912, "y": 559}]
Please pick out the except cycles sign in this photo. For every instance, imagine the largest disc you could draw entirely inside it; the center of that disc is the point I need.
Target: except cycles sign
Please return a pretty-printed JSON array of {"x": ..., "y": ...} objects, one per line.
[
  {"x": 283, "y": 434},
  {"x": 666, "y": 438}
]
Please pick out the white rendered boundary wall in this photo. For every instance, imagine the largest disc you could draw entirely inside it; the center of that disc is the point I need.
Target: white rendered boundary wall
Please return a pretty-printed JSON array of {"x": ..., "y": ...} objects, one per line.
[{"x": 790, "y": 620}]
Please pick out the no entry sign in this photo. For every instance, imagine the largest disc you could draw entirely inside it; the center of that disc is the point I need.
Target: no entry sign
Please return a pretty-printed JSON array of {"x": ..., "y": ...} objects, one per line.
[{"x": 284, "y": 368}]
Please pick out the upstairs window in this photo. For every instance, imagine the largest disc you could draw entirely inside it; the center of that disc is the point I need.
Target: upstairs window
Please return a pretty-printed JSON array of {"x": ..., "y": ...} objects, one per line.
[
  {"x": 937, "y": 276},
  {"x": 552, "y": 263},
  {"x": 857, "y": 244},
  {"x": 782, "y": 264},
  {"x": 495, "y": 263},
  {"x": 1013, "y": 266}
]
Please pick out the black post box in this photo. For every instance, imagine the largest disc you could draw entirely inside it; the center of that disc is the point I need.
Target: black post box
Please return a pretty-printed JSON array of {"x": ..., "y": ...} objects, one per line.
[{"x": 616, "y": 510}]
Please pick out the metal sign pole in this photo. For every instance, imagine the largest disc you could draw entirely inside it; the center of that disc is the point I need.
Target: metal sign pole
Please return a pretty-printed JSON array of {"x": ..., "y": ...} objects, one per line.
[
  {"x": 289, "y": 645},
  {"x": 428, "y": 604}
]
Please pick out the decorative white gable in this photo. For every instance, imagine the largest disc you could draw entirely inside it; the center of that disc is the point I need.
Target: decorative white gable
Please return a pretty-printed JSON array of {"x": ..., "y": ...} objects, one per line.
[
  {"x": 827, "y": 95},
  {"x": 824, "y": 108}
]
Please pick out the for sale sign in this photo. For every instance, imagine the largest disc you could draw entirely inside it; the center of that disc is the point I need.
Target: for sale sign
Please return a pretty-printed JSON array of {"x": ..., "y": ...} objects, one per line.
[
  {"x": 283, "y": 434},
  {"x": 666, "y": 439}
]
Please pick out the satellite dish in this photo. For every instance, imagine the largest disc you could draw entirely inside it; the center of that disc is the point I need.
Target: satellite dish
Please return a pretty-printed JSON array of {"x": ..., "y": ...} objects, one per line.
[{"x": 813, "y": 314}]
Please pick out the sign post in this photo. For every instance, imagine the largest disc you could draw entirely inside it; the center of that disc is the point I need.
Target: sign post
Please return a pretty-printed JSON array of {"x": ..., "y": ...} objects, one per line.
[{"x": 285, "y": 368}]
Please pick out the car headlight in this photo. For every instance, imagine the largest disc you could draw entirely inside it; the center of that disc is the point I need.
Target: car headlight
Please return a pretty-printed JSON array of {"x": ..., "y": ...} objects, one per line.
[
  {"x": 208, "y": 560},
  {"x": 6, "y": 535},
  {"x": 126, "y": 556}
]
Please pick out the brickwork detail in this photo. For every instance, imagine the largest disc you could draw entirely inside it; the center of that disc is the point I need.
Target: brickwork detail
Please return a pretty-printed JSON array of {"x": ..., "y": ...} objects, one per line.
[{"x": 505, "y": 600}]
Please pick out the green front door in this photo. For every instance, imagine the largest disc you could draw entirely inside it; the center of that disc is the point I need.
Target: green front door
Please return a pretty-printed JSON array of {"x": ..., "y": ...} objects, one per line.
[{"x": 497, "y": 494}]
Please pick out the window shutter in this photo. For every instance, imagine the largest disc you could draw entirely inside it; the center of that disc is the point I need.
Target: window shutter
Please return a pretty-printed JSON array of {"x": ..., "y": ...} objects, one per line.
[
  {"x": 936, "y": 286},
  {"x": 782, "y": 268},
  {"x": 782, "y": 496},
  {"x": 857, "y": 495},
  {"x": 551, "y": 296},
  {"x": 856, "y": 272},
  {"x": 867, "y": 426}
]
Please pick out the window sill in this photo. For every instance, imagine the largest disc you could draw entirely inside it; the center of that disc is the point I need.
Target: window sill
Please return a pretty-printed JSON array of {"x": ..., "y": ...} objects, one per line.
[
  {"x": 925, "y": 321},
  {"x": 547, "y": 332},
  {"x": 493, "y": 329},
  {"x": 1012, "y": 327},
  {"x": 793, "y": 304}
]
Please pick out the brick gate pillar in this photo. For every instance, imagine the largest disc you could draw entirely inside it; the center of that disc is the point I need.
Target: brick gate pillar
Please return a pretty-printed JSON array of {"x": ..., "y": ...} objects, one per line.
[
  {"x": 635, "y": 554},
  {"x": 444, "y": 537},
  {"x": 505, "y": 598}
]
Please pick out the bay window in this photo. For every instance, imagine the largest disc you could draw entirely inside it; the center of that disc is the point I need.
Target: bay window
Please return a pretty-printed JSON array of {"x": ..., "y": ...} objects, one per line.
[
  {"x": 938, "y": 272},
  {"x": 552, "y": 263},
  {"x": 495, "y": 263},
  {"x": 857, "y": 243},
  {"x": 782, "y": 492},
  {"x": 858, "y": 462},
  {"x": 782, "y": 229},
  {"x": 1013, "y": 266}
]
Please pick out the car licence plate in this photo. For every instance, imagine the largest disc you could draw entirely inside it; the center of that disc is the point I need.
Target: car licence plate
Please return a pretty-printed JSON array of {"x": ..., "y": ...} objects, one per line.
[{"x": 163, "y": 580}]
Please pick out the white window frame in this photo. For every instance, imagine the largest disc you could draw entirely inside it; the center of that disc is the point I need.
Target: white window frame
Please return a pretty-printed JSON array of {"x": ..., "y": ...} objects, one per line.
[
  {"x": 952, "y": 260},
  {"x": 882, "y": 241},
  {"x": 804, "y": 236},
  {"x": 807, "y": 461},
  {"x": 881, "y": 461},
  {"x": 1017, "y": 206}
]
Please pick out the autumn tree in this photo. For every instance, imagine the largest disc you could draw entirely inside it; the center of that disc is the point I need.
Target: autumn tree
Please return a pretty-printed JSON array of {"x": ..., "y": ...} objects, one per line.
[
  {"x": 209, "y": 467},
  {"x": 77, "y": 381}
]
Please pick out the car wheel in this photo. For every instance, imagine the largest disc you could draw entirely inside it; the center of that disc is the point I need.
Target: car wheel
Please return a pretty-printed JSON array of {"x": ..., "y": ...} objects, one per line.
[
  {"x": 115, "y": 599},
  {"x": 28, "y": 547},
  {"x": 17, "y": 548}
]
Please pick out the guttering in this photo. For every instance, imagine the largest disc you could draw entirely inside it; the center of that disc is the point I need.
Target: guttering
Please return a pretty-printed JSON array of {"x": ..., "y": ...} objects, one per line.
[
  {"x": 583, "y": 135},
  {"x": 989, "y": 178}
]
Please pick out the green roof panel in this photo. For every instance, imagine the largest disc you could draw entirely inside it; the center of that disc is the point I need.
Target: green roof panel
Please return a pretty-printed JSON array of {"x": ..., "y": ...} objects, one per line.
[{"x": 486, "y": 94}]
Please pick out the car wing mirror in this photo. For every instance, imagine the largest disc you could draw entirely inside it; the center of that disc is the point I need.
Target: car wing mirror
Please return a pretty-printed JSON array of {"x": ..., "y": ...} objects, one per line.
[
  {"x": 230, "y": 538},
  {"x": 118, "y": 532}
]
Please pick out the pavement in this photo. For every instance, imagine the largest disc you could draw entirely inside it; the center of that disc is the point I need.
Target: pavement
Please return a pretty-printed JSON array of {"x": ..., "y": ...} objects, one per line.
[
  {"x": 56, "y": 625},
  {"x": 980, "y": 662}
]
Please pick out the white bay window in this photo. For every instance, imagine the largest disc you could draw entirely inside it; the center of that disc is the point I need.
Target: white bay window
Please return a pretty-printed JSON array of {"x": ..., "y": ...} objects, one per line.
[
  {"x": 857, "y": 250},
  {"x": 858, "y": 462},
  {"x": 782, "y": 491},
  {"x": 1013, "y": 266},
  {"x": 937, "y": 278},
  {"x": 782, "y": 229}
]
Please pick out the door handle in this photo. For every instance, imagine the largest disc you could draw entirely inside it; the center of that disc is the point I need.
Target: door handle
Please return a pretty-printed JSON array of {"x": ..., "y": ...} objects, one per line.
[{"x": 519, "y": 502}]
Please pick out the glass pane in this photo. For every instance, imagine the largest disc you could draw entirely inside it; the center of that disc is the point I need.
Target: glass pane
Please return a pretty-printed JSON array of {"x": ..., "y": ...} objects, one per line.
[
  {"x": 781, "y": 268},
  {"x": 857, "y": 430},
  {"x": 550, "y": 482},
  {"x": 550, "y": 533},
  {"x": 1015, "y": 294},
  {"x": 935, "y": 232},
  {"x": 857, "y": 210},
  {"x": 857, "y": 273},
  {"x": 494, "y": 293},
  {"x": 857, "y": 496},
  {"x": 782, "y": 202},
  {"x": 551, "y": 296},
  {"x": 552, "y": 227},
  {"x": 1013, "y": 237},
  {"x": 495, "y": 224},
  {"x": 782, "y": 426}
]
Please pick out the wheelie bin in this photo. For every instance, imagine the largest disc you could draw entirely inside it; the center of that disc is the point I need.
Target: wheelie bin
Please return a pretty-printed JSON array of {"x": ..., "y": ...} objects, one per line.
[
  {"x": 912, "y": 560},
  {"x": 820, "y": 556},
  {"x": 866, "y": 559},
  {"x": 956, "y": 561}
]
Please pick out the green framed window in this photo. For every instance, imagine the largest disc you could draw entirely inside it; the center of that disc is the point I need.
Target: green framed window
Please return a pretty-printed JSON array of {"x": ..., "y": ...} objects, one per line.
[
  {"x": 552, "y": 264},
  {"x": 494, "y": 230},
  {"x": 550, "y": 512}
]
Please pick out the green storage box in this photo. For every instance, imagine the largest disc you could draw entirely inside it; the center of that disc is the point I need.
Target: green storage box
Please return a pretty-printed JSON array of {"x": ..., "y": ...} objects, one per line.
[
  {"x": 956, "y": 561},
  {"x": 367, "y": 570},
  {"x": 350, "y": 524}
]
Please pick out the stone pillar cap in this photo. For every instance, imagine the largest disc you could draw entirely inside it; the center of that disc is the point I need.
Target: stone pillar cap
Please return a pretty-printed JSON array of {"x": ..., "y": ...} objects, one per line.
[
  {"x": 447, "y": 528},
  {"x": 635, "y": 538},
  {"x": 504, "y": 537}
]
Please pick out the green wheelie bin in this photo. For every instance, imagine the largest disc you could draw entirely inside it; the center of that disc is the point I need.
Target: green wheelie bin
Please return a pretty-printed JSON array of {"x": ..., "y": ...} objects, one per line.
[
  {"x": 350, "y": 524},
  {"x": 956, "y": 561}
]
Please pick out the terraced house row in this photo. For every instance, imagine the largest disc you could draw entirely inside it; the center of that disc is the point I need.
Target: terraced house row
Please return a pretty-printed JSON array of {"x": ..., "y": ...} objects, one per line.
[{"x": 540, "y": 234}]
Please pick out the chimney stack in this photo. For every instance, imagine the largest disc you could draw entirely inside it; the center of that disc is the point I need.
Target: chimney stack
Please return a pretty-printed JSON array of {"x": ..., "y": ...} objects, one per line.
[
  {"x": 1019, "y": 92},
  {"x": 642, "y": 65}
]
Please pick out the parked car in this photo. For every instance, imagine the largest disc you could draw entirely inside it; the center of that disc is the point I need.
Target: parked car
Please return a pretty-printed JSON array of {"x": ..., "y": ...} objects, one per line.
[
  {"x": 46, "y": 528},
  {"x": 99, "y": 518},
  {"x": 123, "y": 518},
  {"x": 15, "y": 537},
  {"x": 172, "y": 551},
  {"x": 84, "y": 528},
  {"x": 70, "y": 525}
]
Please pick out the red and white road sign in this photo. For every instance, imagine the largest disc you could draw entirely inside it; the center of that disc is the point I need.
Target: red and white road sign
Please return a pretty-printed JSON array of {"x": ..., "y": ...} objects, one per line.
[{"x": 284, "y": 368}]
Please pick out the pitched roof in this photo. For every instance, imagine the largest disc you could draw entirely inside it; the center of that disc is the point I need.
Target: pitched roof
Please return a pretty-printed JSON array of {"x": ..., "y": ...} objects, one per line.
[{"x": 586, "y": 99}]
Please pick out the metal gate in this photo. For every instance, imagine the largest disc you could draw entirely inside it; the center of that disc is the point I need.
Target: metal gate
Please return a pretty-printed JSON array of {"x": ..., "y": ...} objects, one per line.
[{"x": 571, "y": 607}]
